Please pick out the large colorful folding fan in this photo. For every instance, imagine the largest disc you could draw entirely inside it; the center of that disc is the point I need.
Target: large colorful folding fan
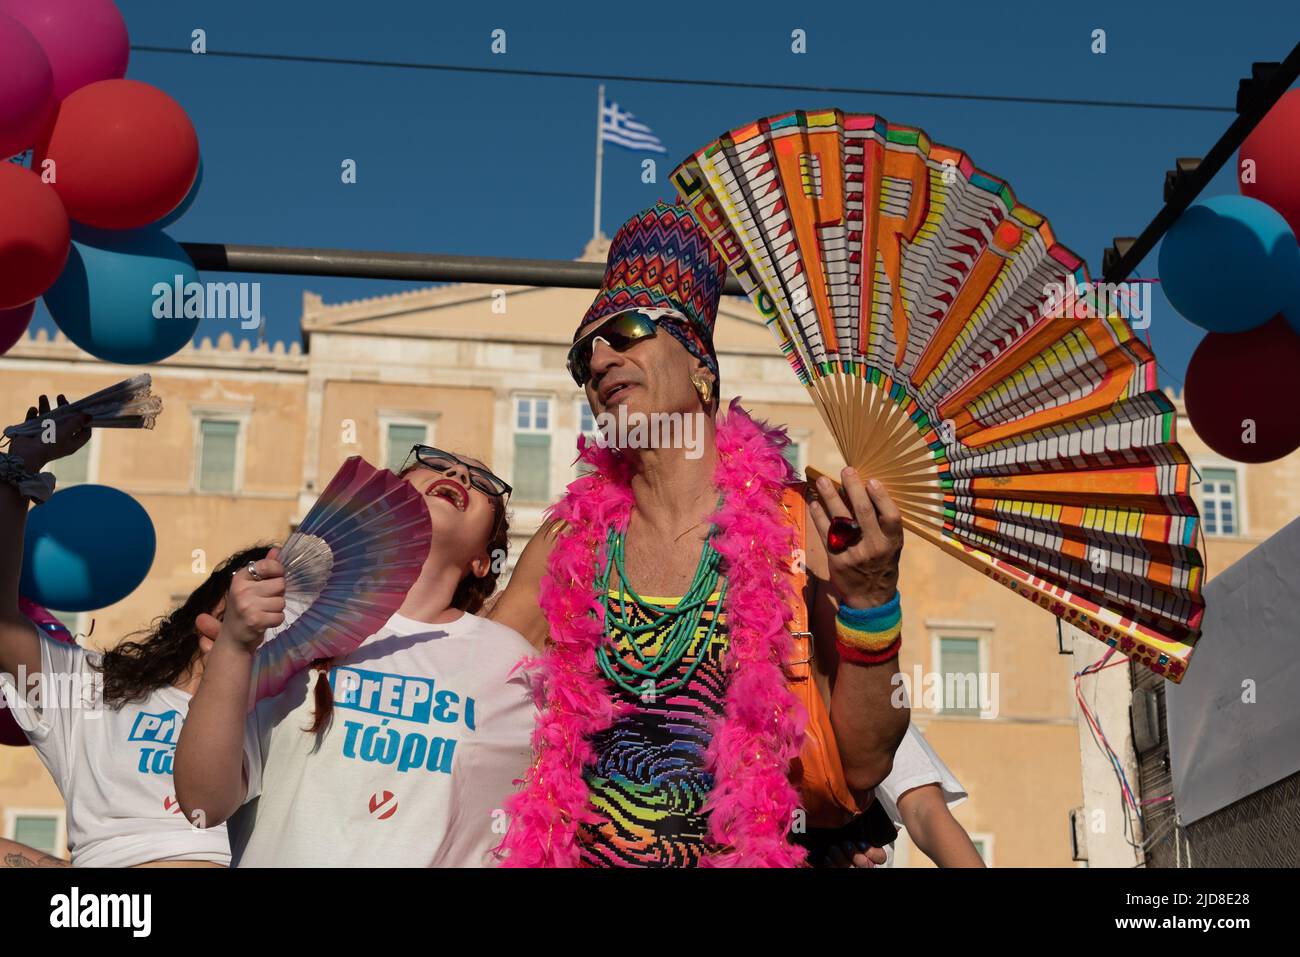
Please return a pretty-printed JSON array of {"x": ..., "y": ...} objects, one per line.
[
  {"x": 960, "y": 355},
  {"x": 347, "y": 568}
]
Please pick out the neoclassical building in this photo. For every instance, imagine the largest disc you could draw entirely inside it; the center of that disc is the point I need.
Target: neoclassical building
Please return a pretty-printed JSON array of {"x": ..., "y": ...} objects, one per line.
[{"x": 249, "y": 435}]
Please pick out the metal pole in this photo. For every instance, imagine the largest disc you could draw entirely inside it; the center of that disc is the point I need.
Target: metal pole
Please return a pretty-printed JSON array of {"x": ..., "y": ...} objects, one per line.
[
  {"x": 414, "y": 267},
  {"x": 600, "y": 156},
  {"x": 1265, "y": 97}
]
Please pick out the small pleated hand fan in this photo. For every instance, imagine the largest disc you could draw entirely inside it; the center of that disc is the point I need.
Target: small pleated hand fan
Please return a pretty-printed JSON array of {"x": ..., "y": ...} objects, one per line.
[
  {"x": 957, "y": 354},
  {"x": 348, "y": 568},
  {"x": 128, "y": 404}
]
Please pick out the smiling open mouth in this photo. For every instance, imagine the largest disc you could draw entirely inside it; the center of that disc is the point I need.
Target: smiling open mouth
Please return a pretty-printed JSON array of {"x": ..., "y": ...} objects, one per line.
[{"x": 452, "y": 491}]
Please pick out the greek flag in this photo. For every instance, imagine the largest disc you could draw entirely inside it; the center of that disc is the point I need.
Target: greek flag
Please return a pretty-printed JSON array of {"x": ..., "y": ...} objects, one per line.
[{"x": 621, "y": 127}]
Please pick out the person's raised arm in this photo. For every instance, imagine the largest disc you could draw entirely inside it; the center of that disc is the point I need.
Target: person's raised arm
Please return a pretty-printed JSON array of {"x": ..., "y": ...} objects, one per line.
[
  {"x": 209, "y": 771},
  {"x": 934, "y": 830},
  {"x": 868, "y": 719},
  {"x": 20, "y": 644},
  {"x": 517, "y": 607}
]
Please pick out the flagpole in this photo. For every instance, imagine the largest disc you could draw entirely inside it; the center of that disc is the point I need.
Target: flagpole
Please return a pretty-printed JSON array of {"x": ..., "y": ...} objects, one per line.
[{"x": 600, "y": 156}]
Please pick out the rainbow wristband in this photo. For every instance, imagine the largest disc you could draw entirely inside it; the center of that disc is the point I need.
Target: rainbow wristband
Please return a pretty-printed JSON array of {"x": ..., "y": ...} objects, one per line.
[{"x": 870, "y": 635}]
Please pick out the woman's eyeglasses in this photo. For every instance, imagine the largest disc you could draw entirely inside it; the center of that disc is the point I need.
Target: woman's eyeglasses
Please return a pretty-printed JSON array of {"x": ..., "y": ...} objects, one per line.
[
  {"x": 440, "y": 461},
  {"x": 622, "y": 331}
]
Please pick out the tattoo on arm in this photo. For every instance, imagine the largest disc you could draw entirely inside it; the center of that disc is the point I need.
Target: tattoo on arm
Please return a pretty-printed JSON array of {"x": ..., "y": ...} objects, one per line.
[{"x": 30, "y": 857}]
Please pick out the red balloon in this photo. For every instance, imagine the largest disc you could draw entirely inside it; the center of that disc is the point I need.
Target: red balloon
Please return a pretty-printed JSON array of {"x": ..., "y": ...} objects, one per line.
[
  {"x": 1274, "y": 145},
  {"x": 35, "y": 236},
  {"x": 1236, "y": 380},
  {"x": 13, "y": 323},
  {"x": 125, "y": 154},
  {"x": 10, "y": 733}
]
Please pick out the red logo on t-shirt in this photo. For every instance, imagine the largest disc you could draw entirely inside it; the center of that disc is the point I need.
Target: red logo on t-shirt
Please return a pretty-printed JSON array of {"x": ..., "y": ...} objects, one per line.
[
  {"x": 171, "y": 804},
  {"x": 384, "y": 805}
]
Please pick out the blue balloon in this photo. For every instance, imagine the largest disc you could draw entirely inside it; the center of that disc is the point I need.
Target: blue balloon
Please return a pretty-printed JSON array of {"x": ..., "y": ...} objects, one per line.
[
  {"x": 1230, "y": 263},
  {"x": 87, "y": 547},
  {"x": 117, "y": 299},
  {"x": 186, "y": 203}
]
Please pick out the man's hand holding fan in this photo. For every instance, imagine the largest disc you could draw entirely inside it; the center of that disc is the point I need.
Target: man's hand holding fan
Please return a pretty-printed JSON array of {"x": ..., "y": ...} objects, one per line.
[{"x": 862, "y": 532}]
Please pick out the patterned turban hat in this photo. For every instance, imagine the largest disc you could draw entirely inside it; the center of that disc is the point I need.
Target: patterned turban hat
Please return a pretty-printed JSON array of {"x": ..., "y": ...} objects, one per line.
[{"x": 661, "y": 258}]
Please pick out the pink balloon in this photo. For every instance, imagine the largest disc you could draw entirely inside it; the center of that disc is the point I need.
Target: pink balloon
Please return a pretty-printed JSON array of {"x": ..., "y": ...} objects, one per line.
[
  {"x": 84, "y": 40},
  {"x": 26, "y": 88},
  {"x": 13, "y": 323}
]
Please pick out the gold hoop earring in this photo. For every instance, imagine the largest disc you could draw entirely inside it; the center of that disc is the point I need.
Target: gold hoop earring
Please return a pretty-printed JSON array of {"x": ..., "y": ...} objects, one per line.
[{"x": 704, "y": 387}]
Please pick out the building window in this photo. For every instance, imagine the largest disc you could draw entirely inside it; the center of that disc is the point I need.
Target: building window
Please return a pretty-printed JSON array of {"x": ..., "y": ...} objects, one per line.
[
  {"x": 532, "y": 472},
  {"x": 959, "y": 664},
  {"x": 72, "y": 469},
  {"x": 218, "y": 454},
  {"x": 1219, "y": 508},
  {"x": 40, "y": 831},
  {"x": 984, "y": 845},
  {"x": 791, "y": 454},
  {"x": 399, "y": 437},
  {"x": 586, "y": 426},
  {"x": 586, "y": 419},
  {"x": 796, "y": 453}
]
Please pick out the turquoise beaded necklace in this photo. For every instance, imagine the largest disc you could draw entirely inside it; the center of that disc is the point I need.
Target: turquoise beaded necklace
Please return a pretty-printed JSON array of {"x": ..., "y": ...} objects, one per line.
[{"x": 684, "y": 616}]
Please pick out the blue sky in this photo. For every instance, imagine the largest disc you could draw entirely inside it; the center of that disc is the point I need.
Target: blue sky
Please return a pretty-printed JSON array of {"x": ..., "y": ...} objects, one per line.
[{"x": 503, "y": 166}]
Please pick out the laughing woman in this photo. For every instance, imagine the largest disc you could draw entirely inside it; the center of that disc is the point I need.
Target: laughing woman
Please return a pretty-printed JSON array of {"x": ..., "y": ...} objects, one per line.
[
  {"x": 400, "y": 753},
  {"x": 104, "y": 725}
]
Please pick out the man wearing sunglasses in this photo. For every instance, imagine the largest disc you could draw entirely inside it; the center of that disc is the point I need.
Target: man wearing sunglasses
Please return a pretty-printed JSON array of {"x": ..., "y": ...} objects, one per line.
[{"x": 656, "y": 592}]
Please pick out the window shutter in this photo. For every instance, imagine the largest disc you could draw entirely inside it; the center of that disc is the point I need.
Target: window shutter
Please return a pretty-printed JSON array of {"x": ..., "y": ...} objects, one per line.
[
  {"x": 40, "y": 832},
  {"x": 961, "y": 657},
  {"x": 73, "y": 469},
  {"x": 400, "y": 440},
  {"x": 219, "y": 442},
  {"x": 532, "y": 478}
]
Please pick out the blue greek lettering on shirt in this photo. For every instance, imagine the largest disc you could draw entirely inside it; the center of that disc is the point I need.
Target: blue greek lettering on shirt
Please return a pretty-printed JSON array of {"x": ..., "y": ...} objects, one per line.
[
  {"x": 164, "y": 728},
  {"x": 397, "y": 699},
  {"x": 161, "y": 731},
  {"x": 399, "y": 696},
  {"x": 405, "y": 750}
]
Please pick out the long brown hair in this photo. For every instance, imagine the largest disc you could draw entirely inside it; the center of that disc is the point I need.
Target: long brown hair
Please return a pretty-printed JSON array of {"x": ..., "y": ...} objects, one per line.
[
  {"x": 155, "y": 657},
  {"x": 469, "y": 597}
]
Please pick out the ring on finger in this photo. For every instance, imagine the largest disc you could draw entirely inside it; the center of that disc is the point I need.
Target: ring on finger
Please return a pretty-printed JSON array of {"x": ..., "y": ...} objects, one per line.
[
  {"x": 842, "y": 535},
  {"x": 252, "y": 572}
]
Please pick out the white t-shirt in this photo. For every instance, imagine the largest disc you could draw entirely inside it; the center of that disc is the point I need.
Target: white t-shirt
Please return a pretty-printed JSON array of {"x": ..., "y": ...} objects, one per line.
[
  {"x": 430, "y": 731},
  {"x": 113, "y": 766},
  {"x": 916, "y": 764}
]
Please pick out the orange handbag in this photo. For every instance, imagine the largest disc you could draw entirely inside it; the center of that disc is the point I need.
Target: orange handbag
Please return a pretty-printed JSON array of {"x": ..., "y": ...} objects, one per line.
[{"x": 817, "y": 772}]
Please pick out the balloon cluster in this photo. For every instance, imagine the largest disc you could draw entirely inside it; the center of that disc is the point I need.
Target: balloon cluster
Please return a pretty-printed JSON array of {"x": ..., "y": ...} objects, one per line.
[
  {"x": 1231, "y": 265},
  {"x": 113, "y": 162}
]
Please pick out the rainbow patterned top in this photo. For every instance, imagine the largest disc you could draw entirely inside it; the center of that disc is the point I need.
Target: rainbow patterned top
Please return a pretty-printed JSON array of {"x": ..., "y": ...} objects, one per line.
[{"x": 649, "y": 781}]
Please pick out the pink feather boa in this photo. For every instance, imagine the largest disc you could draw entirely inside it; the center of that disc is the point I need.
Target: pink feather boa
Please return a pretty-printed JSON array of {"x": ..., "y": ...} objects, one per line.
[{"x": 752, "y": 802}]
